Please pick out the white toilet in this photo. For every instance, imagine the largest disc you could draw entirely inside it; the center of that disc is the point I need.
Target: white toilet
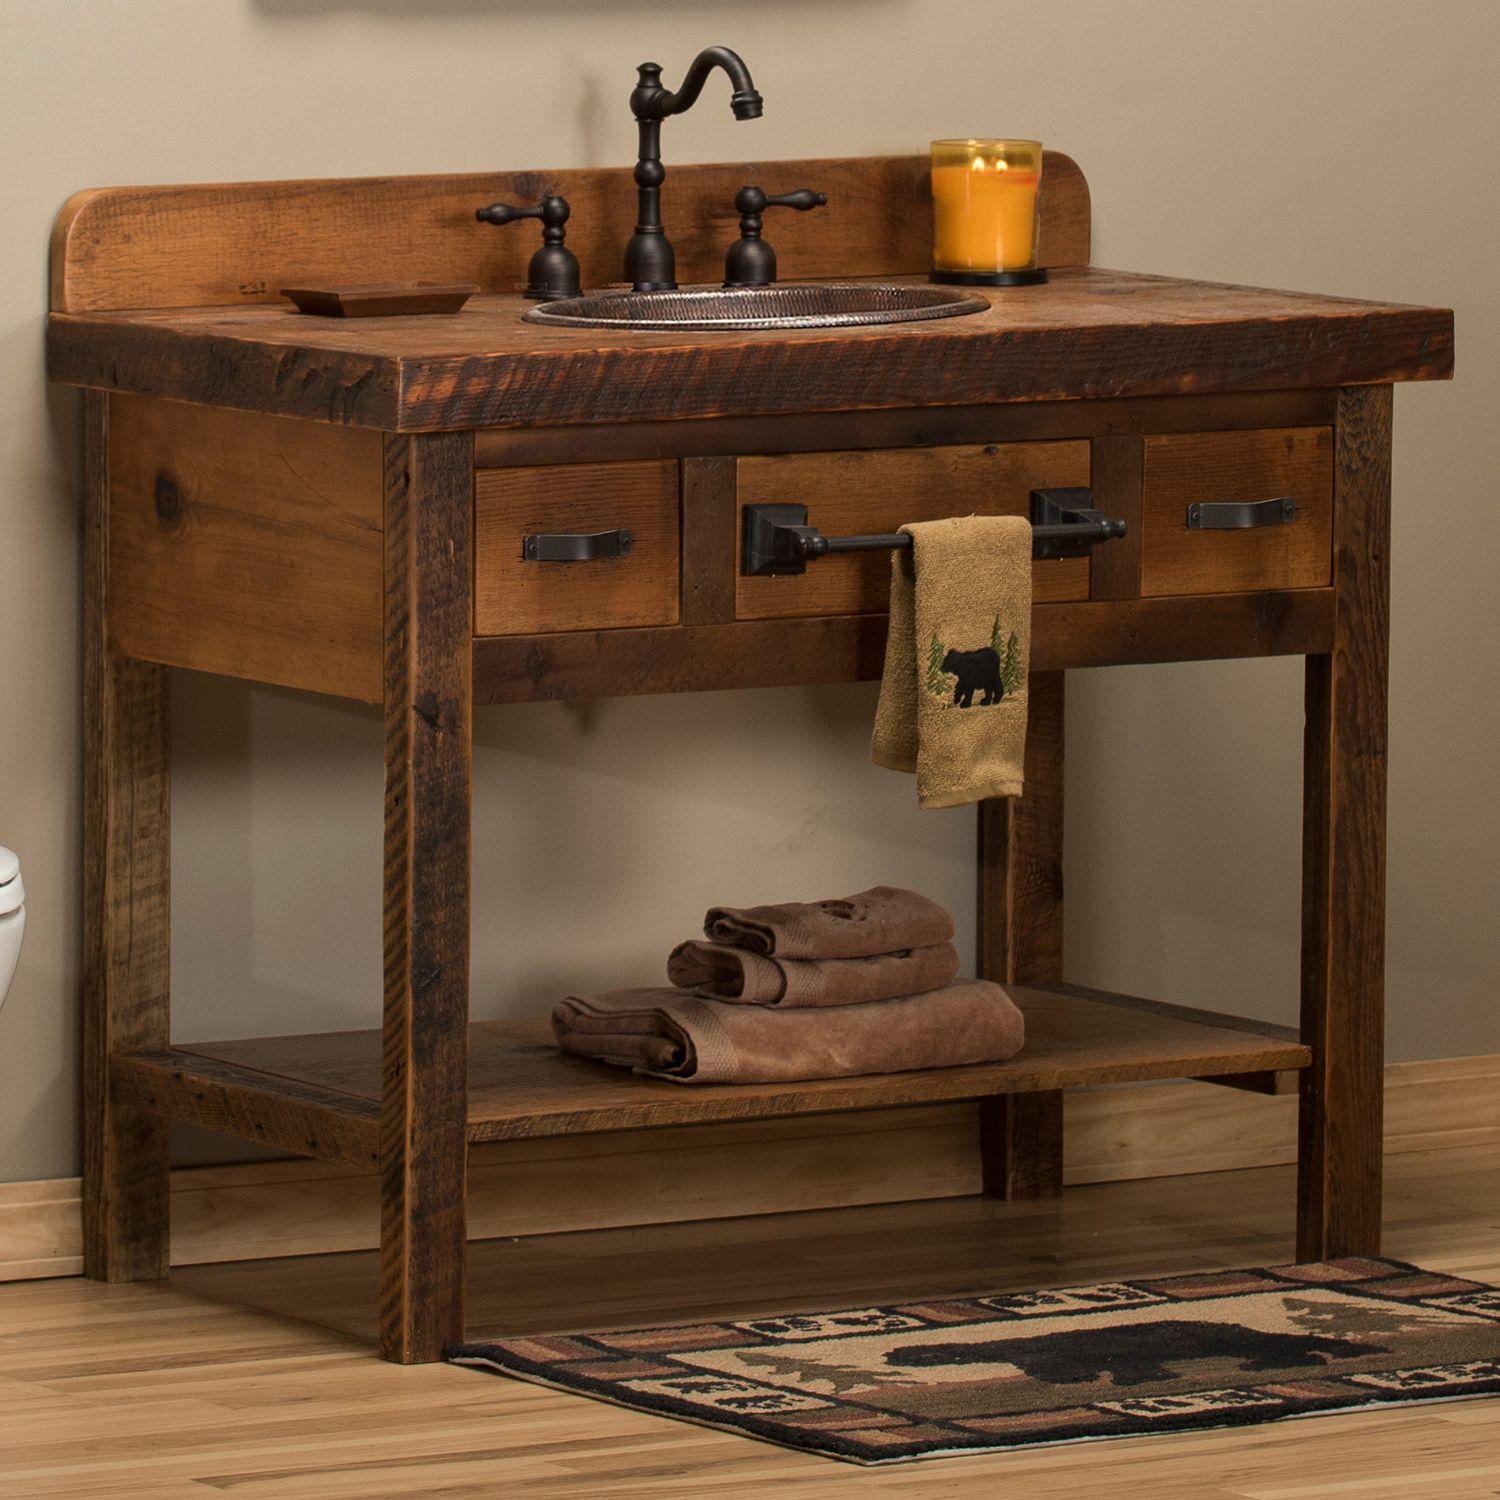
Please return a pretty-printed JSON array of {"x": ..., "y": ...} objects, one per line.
[{"x": 12, "y": 917}]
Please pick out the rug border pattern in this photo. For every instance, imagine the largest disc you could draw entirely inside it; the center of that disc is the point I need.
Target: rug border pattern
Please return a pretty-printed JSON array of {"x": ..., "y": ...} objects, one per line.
[{"x": 1263, "y": 1401}]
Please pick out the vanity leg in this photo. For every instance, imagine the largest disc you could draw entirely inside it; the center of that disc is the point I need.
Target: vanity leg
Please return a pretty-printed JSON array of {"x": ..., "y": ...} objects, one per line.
[
  {"x": 126, "y": 863},
  {"x": 428, "y": 712},
  {"x": 1343, "y": 856},
  {"x": 1020, "y": 911}
]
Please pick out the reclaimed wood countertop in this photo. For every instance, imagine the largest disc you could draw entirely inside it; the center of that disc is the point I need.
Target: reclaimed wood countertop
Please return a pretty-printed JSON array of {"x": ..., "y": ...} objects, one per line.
[{"x": 1087, "y": 334}]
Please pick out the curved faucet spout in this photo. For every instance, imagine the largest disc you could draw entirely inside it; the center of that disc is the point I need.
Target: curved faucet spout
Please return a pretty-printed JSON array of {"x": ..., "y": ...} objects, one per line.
[
  {"x": 652, "y": 102},
  {"x": 650, "y": 265}
]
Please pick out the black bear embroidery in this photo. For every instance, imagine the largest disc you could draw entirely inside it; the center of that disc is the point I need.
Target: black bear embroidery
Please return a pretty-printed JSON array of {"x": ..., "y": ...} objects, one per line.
[
  {"x": 1135, "y": 1353},
  {"x": 977, "y": 672}
]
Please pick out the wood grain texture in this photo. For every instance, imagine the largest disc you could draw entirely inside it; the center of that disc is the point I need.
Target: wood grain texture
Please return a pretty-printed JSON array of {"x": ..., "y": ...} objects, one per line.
[
  {"x": 825, "y": 431},
  {"x": 521, "y": 1086},
  {"x": 1183, "y": 469},
  {"x": 1343, "y": 854},
  {"x": 241, "y": 243},
  {"x": 513, "y": 596},
  {"x": 246, "y": 545},
  {"x": 684, "y": 659},
  {"x": 300, "y": 1117},
  {"x": 1273, "y": 1085},
  {"x": 1117, "y": 474},
  {"x": 1273, "y": 1030},
  {"x": 862, "y": 491},
  {"x": 423, "y": 1050},
  {"x": 780, "y": 653},
  {"x": 126, "y": 895},
  {"x": 558, "y": 1184},
  {"x": 1021, "y": 1145},
  {"x": 1021, "y": 851},
  {"x": 1020, "y": 940},
  {"x": 710, "y": 546},
  {"x": 1088, "y": 334},
  {"x": 249, "y": 1379}
]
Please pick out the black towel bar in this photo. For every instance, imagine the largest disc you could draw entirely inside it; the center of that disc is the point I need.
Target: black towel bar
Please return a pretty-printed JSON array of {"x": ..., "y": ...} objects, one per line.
[{"x": 778, "y": 539}]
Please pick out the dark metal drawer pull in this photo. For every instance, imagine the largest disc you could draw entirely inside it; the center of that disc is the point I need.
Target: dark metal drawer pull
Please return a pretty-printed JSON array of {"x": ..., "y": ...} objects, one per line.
[
  {"x": 778, "y": 540},
  {"x": 1240, "y": 515},
  {"x": 575, "y": 546}
]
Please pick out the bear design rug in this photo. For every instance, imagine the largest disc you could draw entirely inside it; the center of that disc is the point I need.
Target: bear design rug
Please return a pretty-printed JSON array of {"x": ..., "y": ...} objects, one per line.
[{"x": 878, "y": 1385}]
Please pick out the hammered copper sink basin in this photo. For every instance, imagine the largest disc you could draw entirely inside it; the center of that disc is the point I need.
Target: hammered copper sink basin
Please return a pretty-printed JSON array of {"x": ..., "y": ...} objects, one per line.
[{"x": 812, "y": 305}]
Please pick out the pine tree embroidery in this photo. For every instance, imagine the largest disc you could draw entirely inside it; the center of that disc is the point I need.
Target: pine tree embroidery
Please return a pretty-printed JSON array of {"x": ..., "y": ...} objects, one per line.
[
  {"x": 937, "y": 681},
  {"x": 1011, "y": 676},
  {"x": 1010, "y": 669}
]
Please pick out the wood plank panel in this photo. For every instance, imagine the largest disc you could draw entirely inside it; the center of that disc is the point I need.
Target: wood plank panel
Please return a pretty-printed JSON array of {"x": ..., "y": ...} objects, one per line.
[
  {"x": 246, "y": 545},
  {"x": 1184, "y": 469},
  {"x": 249, "y": 1211},
  {"x": 1087, "y": 335},
  {"x": 520, "y": 1085},
  {"x": 514, "y": 596},
  {"x": 422, "y": 1066},
  {"x": 127, "y": 965},
  {"x": 232, "y": 243},
  {"x": 810, "y": 432},
  {"x": 1117, "y": 471},
  {"x": 1343, "y": 855},
  {"x": 1168, "y": 1009},
  {"x": 684, "y": 659},
  {"x": 709, "y": 547},
  {"x": 300, "y": 1117},
  {"x": 1020, "y": 939},
  {"x": 779, "y": 653},
  {"x": 858, "y": 491}
]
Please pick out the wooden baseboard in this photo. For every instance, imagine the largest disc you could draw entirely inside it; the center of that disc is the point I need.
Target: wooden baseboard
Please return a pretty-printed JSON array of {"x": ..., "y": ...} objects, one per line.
[{"x": 265, "y": 1209}]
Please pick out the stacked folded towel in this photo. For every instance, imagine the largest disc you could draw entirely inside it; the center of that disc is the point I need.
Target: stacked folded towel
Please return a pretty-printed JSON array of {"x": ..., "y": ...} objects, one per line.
[{"x": 802, "y": 990}]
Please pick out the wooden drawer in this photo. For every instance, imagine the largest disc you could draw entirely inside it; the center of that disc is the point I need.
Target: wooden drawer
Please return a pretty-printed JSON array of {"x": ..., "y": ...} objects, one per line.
[
  {"x": 1185, "y": 469},
  {"x": 879, "y": 490},
  {"x": 516, "y": 597}
]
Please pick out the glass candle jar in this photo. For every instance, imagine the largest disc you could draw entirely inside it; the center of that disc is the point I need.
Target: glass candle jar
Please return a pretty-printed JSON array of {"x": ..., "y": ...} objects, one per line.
[{"x": 984, "y": 218}]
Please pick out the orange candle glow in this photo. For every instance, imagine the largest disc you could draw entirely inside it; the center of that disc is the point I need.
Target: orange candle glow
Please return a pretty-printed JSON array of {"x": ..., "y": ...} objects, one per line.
[{"x": 984, "y": 196}]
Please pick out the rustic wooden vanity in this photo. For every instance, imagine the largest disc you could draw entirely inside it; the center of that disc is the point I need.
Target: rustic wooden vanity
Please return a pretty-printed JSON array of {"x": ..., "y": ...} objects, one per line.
[{"x": 339, "y": 506}]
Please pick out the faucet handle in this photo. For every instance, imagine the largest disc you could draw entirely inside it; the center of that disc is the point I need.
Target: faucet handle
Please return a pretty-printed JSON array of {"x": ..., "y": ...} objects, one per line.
[
  {"x": 553, "y": 274},
  {"x": 751, "y": 261},
  {"x": 803, "y": 199}
]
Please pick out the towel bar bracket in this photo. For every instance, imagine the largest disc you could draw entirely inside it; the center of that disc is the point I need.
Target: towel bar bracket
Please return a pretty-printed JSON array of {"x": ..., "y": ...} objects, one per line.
[
  {"x": 1064, "y": 523},
  {"x": 778, "y": 541}
]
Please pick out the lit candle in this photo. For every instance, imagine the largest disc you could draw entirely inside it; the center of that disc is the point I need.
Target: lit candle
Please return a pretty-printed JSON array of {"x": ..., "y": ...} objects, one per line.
[{"x": 984, "y": 196}]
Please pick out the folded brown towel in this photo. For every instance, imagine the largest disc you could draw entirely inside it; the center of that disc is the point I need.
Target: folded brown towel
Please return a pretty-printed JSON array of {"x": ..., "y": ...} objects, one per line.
[
  {"x": 883, "y": 919},
  {"x": 675, "y": 1035},
  {"x": 719, "y": 972},
  {"x": 953, "y": 695}
]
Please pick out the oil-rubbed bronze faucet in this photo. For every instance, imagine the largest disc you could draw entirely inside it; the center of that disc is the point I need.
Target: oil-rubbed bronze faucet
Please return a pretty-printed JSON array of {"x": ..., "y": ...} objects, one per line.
[
  {"x": 751, "y": 261},
  {"x": 650, "y": 264},
  {"x": 553, "y": 274}
]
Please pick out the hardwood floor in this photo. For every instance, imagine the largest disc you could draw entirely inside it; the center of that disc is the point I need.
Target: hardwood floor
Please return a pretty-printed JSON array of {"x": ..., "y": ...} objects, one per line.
[{"x": 259, "y": 1379}]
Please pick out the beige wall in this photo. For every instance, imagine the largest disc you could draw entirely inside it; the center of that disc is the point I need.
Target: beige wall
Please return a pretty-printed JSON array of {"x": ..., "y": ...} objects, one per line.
[{"x": 1346, "y": 147}]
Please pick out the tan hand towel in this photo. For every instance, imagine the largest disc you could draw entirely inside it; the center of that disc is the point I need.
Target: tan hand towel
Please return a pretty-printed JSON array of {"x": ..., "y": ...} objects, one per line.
[
  {"x": 719, "y": 972},
  {"x": 682, "y": 1037},
  {"x": 953, "y": 696},
  {"x": 883, "y": 919}
]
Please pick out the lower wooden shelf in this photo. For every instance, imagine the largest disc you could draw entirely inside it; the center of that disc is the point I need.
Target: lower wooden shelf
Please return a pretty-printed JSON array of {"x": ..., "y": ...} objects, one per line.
[{"x": 320, "y": 1095}]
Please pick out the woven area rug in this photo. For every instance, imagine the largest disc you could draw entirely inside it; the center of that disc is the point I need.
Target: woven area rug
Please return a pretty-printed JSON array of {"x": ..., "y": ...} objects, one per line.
[{"x": 877, "y": 1385}]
